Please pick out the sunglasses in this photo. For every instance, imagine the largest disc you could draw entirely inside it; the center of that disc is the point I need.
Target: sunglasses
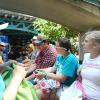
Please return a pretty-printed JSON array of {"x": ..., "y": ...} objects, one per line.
[{"x": 58, "y": 47}]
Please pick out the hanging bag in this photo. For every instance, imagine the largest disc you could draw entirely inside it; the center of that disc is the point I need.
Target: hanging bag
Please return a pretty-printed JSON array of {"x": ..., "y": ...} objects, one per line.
[{"x": 74, "y": 92}]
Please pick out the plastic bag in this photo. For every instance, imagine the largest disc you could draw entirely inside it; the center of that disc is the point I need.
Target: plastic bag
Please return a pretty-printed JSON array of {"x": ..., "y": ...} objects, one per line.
[{"x": 72, "y": 93}]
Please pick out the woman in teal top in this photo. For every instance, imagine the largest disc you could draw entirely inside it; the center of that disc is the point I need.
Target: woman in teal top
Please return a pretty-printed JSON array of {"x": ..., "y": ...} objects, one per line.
[{"x": 65, "y": 67}]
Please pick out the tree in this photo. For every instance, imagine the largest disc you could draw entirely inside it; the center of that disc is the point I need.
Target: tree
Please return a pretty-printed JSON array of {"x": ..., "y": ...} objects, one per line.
[{"x": 55, "y": 31}]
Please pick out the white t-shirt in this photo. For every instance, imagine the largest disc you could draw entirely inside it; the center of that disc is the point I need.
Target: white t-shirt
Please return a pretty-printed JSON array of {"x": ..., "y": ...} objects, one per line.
[{"x": 91, "y": 77}]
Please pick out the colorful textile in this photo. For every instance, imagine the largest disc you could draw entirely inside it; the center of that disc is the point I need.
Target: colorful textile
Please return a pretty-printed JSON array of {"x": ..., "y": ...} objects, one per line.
[
  {"x": 26, "y": 90},
  {"x": 46, "y": 58},
  {"x": 47, "y": 85}
]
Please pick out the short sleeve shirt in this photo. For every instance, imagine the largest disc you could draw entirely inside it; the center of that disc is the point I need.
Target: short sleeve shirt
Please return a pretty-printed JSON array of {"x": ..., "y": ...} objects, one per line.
[
  {"x": 46, "y": 58},
  {"x": 67, "y": 66},
  {"x": 91, "y": 76}
]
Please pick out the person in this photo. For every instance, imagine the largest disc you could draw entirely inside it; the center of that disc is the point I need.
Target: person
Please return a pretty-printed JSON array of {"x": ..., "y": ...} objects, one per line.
[
  {"x": 65, "y": 67},
  {"x": 31, "y": 53},
  {"x": 36, "y": 51},
  {"x": 2, "y": 48},
  {"x": 23, "y": 55},
  {"x": 3, "y": 66},
  {"x": 47, "y": 53},
  {"x": 11, "y": 90},
  {"x": 46, "y": 56},
  {"x": 90, "y": 70}
]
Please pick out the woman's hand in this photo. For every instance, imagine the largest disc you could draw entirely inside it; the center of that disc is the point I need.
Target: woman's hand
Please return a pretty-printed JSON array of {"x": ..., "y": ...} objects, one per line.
[
  {"x": 39, "y": 74},
  {"x": 19, "y": 71},
  {"x": 18, "y": 74}
]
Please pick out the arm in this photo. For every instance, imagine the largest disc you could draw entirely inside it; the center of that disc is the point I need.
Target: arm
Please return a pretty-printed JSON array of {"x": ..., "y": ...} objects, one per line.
[
  {"x": 7, "y": 65},
  {"x": 49, "y": 70},
  {"x": 59, "y": 77},
  {"x": 30, "y": 70},
  {"x": 11, "y": 91},
  {"x": 56, "y": 77}
]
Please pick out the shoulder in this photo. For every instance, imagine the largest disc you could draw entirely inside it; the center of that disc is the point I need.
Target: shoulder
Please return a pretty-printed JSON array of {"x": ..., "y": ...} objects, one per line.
[
  {"x": 59, "y": 56},
  {"x": 72, "y": 60},
  {"x": 86, "y": 55},
  {"x": 71, "y": 57},
  {"x": 52, "y": 48}
]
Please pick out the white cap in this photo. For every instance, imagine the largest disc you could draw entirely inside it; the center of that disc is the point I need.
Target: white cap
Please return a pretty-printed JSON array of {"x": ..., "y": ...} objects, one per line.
[
  {"x": 3, "y": 26},
  {"x": 3, "y": 44}
]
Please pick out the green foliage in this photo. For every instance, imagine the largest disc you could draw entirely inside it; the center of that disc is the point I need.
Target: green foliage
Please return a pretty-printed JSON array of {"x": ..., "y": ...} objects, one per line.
[{"x": 54, "y": 31}]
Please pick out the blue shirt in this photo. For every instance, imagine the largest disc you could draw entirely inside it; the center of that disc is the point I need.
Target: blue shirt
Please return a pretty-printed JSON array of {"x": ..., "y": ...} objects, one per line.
[
  {"x": 2, "y": 87},
  {"x": 67, "y": 66}
]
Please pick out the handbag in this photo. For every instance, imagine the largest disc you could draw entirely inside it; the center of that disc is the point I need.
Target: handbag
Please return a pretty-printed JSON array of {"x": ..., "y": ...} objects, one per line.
[
  {"x": 74, "y": 92},
  {"x": 47, "y": 85},
  {"x": 25, "y": 91}
]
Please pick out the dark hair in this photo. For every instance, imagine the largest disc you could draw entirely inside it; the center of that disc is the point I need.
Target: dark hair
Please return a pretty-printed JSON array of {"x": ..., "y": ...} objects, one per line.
[{"x": 65, "y": 43}]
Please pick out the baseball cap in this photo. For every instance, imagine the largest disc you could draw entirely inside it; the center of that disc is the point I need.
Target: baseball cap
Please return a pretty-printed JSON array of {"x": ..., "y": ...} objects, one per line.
[{"x": 40, "y": 39}]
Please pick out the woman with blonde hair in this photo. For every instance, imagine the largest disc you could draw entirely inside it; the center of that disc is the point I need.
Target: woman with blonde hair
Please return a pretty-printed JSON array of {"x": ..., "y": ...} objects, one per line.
[
  {"x": 91, "y": 65},
  {"x": 30, "y": 49},
  {"x": 90, "y": 70}
]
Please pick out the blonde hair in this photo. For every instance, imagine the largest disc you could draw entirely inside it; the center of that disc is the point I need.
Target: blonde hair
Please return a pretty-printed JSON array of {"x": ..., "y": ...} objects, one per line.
[
  {"x": 31, "y": 46},
  {"x": 94, "y": 35}
]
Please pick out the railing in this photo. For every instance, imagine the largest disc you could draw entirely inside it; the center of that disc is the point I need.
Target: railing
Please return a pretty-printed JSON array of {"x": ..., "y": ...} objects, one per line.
[
  {"x": 94, "y": 2},
  {"x": 18, "y": 21}
]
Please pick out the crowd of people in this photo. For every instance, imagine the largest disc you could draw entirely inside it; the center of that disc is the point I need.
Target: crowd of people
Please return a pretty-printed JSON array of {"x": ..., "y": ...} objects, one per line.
[{"x": 53, "y": 68}]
